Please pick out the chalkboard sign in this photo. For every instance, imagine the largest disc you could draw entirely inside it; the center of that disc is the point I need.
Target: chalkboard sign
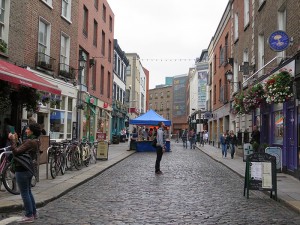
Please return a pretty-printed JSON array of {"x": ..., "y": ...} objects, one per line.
[{"x": 260, "y": 174}]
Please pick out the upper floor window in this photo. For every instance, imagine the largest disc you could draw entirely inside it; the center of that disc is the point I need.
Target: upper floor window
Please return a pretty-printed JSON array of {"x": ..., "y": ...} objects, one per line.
[
  {"x": 48, "y": 2},
  {"x": 44, "y": 37},
  {"x": 102, "y": 80},
  {"x": 108, "y": 84},
  {"x": 96, "y": 4},
  {"x": 104, "y": 13},
  {"x": 95, "y": 36},
  {"x": 103, "y": 43},
  {"x": 221, "y": 55},
  {"x": 110, "y": 23},
  {"x": 94, "y": 75},
  {"x": 85, "y": 21},
  {"x": 66, "y": 9},
  {"x": 2, "y": 13},
  {"x": 246, "y": 13},
  {"x": 236, "y": 27},
  {"x": 109, "y": 51},
  {"x": 115, "y": 61},
  {"x": 64, "y": 52},
  {"x": 226, "y": 48},
  {"x": 4, "y": 26}
]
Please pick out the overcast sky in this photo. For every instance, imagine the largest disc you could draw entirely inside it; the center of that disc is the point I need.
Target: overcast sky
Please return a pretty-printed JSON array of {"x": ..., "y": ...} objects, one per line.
[{"x": 165, "y": 31}]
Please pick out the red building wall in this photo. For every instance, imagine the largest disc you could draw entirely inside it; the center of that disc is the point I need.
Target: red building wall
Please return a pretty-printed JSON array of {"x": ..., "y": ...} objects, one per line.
[{"x": 86, "y": 43}]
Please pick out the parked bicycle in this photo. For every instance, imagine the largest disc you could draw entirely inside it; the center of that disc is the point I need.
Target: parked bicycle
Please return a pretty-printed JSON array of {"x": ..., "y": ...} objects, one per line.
[
  {"x": 57, "y": 158},
  {"x": 73, "y": 156},
  {"x": 8, "y": 178},
  {"x": 93, "y": 152},
  {"x": 85, "y": 150}
]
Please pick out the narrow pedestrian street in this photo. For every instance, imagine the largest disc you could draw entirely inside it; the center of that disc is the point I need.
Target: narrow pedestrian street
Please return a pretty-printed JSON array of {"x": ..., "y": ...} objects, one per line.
[{"x": 193, "y": 189}]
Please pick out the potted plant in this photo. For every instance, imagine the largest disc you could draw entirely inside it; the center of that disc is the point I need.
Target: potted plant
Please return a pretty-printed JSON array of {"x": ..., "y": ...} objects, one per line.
[
  {"x": 3, "y": 46},
  {"x": 29, "y": 98},
  {"x": 278, "y": 88},
  {"x": 45, "y": 99},
  {"x": 253, "y": 98}
]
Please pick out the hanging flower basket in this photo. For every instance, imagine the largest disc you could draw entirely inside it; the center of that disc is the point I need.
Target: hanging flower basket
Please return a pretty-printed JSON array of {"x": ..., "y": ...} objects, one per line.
[
  {"x": 238, "y": 107},
  {"x": 45, "y": 99},
  {"x": 29, "y": 98},
  {"x": 253, "y": 98},
  {"x": 278, "y": 88}
]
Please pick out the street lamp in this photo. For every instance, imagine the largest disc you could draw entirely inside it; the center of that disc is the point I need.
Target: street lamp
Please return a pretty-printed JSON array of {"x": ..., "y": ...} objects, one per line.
[
  {"x": 229, "y": 77},
  {"x": 82, "y": 62}
]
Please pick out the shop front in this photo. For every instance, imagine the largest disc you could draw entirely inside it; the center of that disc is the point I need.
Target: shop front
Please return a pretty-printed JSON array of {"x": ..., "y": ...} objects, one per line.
[
  {"x": 278, "y": 119},
  {"x": 103, "y": 121},
  {"x": 89, "y": 118},
  {"x": 20, "y": 93}
]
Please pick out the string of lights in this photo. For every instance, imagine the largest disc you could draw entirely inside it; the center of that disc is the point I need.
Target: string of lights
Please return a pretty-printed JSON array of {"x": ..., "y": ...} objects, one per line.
[{"x": 156, "y": 59}]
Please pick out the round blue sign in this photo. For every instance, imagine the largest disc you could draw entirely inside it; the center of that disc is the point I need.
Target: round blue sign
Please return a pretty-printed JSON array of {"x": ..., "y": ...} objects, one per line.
[{"x": 279, "y": 41}]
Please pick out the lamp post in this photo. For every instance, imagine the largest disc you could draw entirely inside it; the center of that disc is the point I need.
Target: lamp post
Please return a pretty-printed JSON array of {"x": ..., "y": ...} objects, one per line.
[
  {"x": 81, "y": 67},
  {"x": 229, "y": 77}
]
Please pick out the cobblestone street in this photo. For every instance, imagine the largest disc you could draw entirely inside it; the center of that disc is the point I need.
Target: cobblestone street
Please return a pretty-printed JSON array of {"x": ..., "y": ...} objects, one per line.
[{"x": 193, "y": 189}]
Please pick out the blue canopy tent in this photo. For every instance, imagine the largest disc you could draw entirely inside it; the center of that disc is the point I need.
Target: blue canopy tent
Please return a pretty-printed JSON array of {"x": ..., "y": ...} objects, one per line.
[{"x": 150, "y": 118}]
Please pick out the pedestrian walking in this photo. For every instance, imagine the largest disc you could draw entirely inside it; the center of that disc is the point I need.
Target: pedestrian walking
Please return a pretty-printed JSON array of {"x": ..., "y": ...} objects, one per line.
[
  {"x": 223, "y": 141},
  {"x": 184, "y": 137},
  {"x": 24, "y": 174},
  {"x": 255, "y": 138},
  {"x": 160, "y": 146},
  {"x": 206, "y": 137},
  {"x": 232, "y": 142},
  {"x": 192, "y": 138}
]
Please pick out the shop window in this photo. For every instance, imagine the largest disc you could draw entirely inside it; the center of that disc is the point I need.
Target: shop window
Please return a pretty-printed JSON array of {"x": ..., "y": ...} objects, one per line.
[{"x": 57, "y": 121}]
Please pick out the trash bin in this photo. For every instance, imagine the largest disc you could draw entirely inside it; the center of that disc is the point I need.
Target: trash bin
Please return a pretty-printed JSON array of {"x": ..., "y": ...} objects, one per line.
[{"x": 102, "y": 150}]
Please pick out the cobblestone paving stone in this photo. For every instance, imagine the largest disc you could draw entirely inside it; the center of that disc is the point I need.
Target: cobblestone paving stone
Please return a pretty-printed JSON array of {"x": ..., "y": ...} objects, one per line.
[{"x": 193, "y": 189}]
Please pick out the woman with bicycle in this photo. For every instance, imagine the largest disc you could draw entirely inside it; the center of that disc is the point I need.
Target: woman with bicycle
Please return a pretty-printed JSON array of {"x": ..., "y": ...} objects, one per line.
[{"x": 23, "y": 175}]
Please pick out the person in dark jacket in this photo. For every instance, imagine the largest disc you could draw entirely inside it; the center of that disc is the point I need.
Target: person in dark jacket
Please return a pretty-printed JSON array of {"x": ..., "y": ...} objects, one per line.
[
  {"x": 255, "y": 135},
  {"x": 23, "y": 175},
  {"x": 232, "y": 142},
  {"x": 223, "y": 142}
]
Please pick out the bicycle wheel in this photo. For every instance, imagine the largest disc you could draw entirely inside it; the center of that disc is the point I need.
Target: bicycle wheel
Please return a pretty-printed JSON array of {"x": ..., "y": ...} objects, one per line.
[
  {"x": 9, "y": 180},
  {"x": 68, "y": 159},
  {"x": 63, "y": 163},
  {"x": 87, "y": 156},
  {"x": 76, "y": 158},
  {"x": 53, "y": 166},
  {"x": 93, "y": 158}
]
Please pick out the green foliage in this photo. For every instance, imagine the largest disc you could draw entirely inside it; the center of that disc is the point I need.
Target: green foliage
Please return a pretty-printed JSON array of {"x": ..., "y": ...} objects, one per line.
[{"x": 29, "y": 98}]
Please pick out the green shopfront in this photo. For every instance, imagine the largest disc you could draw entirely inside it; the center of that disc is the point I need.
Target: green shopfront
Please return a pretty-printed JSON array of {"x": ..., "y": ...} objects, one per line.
[{"x": 89, "y": 118}]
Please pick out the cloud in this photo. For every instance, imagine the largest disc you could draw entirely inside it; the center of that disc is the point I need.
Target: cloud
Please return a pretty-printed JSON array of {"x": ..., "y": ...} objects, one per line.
[{"x": 166, "y": 29}]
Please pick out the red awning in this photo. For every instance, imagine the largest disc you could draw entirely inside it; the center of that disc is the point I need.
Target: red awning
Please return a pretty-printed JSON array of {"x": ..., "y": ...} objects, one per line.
[{"x": 18, "y": 75}]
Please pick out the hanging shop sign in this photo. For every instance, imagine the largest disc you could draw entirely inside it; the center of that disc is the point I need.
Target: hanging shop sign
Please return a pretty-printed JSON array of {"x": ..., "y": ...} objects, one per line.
[{"x": 279, "y": 41}]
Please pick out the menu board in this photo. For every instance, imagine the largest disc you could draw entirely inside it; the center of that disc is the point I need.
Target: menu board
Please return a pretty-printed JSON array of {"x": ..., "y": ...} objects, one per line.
[{"x": 260, "y": 173}]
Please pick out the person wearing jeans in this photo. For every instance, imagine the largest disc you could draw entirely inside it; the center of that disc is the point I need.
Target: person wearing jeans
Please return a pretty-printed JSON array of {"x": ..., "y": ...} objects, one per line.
[
  {"x": 232, "y": 142},
  {"x": 24, "y": 174},
  {"x": 223, "y": 141}
]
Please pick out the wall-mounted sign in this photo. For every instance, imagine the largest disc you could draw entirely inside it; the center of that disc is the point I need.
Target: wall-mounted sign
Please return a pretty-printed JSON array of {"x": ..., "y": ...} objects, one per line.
[{"x": 279, "y": 41}]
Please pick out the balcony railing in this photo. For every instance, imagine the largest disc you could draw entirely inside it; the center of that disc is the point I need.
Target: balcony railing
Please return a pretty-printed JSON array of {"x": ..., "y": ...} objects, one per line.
[
  {"x": 66, "y": 71},
  {"x": 44, "y": 61}
]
